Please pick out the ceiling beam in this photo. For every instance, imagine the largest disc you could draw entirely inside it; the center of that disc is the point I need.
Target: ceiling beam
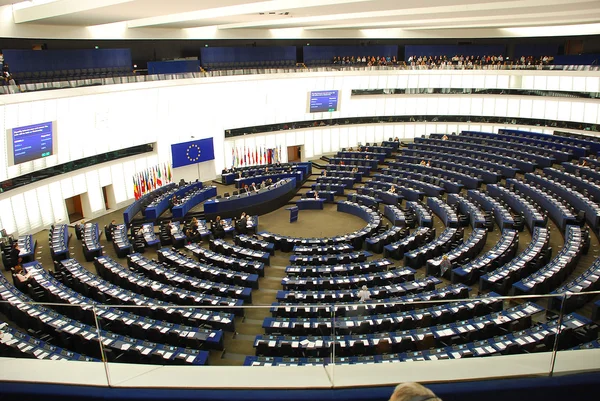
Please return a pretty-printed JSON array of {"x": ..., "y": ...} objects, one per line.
[
  {"x": 465, "y": 8},
  {"x": 499, "y": 19},
  {"x": 59, "y": 8},
  {"x": 242, "y": 9}
]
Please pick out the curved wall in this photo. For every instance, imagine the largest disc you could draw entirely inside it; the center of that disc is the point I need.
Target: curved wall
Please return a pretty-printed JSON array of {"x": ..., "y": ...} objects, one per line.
[{"x": 98, "y": 119}]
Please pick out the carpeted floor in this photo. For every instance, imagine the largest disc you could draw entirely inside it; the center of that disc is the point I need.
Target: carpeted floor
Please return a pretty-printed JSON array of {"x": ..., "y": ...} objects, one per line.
[{"x": 311, "y": 223}]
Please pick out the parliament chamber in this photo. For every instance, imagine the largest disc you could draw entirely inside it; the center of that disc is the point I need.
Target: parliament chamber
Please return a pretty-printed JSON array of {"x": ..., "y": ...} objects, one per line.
[{"x": 257, "y": 222}]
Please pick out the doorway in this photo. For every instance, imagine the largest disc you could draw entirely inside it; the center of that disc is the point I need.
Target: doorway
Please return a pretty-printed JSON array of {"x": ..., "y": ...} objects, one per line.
[
  {"x": 74, "y": 208},
  {"x": 108, "y": 195},
  {"x": 294, "y": 154}
]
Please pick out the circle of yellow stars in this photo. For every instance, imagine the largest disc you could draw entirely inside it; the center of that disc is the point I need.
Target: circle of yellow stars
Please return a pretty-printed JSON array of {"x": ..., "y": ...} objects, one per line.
[{"x": 190, "y": 149}]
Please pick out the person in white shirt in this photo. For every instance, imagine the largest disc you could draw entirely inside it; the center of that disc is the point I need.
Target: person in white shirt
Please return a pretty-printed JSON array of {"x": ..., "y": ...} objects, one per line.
[{"x": 364, "y": 294}]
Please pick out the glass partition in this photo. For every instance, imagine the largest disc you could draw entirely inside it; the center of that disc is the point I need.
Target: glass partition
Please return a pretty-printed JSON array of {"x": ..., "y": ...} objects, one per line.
[{"x": 525, "y": 335}]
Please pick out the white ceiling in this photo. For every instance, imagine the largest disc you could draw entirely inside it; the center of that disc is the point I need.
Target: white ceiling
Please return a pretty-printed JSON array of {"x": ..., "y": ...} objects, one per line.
[{"x": 272, "y": 19}]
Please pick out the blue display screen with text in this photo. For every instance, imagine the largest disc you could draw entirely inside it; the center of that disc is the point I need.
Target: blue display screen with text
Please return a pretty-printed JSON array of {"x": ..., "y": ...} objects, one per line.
[
  {"x": 323, "y": 101},
  {"x": 32, "y": 142}
]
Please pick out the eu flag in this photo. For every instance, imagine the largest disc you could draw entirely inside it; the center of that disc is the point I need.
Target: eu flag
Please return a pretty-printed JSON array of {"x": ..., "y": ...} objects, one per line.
[{"x": 192, "y": 152}]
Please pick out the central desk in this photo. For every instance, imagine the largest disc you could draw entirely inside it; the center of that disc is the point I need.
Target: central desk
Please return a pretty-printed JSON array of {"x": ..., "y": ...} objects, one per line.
[
  {"x": 261, "y": 202},
  {"x": 313, "y": 204}
]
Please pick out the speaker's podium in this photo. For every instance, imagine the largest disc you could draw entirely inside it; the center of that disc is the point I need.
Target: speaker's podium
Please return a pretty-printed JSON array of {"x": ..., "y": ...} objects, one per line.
[{"x": 293, "y": 213}]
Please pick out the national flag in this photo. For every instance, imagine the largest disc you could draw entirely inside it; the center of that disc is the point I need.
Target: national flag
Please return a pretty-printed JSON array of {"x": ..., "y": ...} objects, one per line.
[
  {"x": 256, "y": 155},
  {"x": 155, "y": 177},
  {"x": 159, "y": 177},
  {"x": 135, "y": 193},
  {"x": 170, "y": 176}
]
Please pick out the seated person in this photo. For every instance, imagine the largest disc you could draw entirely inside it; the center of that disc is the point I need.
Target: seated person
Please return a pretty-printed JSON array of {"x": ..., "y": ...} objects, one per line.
[
  {"x": 253, "y": 187},
  {"x": 20, "y": 273},
  {"x": 174, "y": 201},
  {"x": 351, "y": 149},
  {"x": 354, "y": 170},
  {"x": 583, "y": 163},
  {"x": 316, "y": 195},
  {"x": 445, "y": 138},
  {"x": 392, "y": 190},
  {"x": 240, "y": 174},
  {"x": 182, "y": 183},
  {"x": 263, "y": 184},
  {"x": 367, "y": 157},
  {"x": 396, "y": 139},
  {"x": 269, "y": 181},
  {"x": 112, "y": 226},
  {"x": 342, "y": 163},
  {"x": 428, "y": 163},
  {"x": 423, "y": 163},
  {"x": 324, "y": 173}
]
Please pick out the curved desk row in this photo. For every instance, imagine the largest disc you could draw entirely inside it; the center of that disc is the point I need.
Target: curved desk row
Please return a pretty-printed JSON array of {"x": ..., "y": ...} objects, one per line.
[
  {"x": 426, "y": 188},
  {"x": 136, "y": 206},
  {"x": 504, "y": 250},
  {"x": 199, "y": 195},
  {"x": 503, "y": 217},
  {"x": 532, "y": 258},
  {"x": 390, "y": 321},
  {"x": 106, "y": 291},
  {"x": 394, "y": 304},
  {"x": 440, "y": 184},
  {"x": 519, "y": 204},
  {"x": 450, "y": 164},
  {"x": 258, "y": 170},
  {"x": 559, "y": 268},
  {"x": 444, "y": 211},
  {"x": 524, "y": 341},
  {"x": 468, "y": 208},
  {"x": 157, "y": 207},
  {"x": 333, "y": 296},
  {"x": 574, "y": 198},
  {"x": 547, "y": 147},
  {"x": 87, "y": 337},
  {"x": 488, "y": 168},
  {"x": 526, "y": 153},
  {"x": 576, "y": 146},
  {"x": 261, "y": 202},
  {"x": 375, "y": 266},
  {"x": 361, "y": 155},
  {"x": 378, "y": 279},
  {"x": 560, "y": 213},
  {"x": 467, "y": 250},
  {"x": 422, "y": 213},
  {"x": 258, "y": 179},
  {"x": 121, "y": 320},
  {"x": 438, "y": 145}
]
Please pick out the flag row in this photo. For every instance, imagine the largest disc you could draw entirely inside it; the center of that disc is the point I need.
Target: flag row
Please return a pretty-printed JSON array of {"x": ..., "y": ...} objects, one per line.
[
  {"x": 243, "y": 156},
  {"x": 151, "y": 178}
]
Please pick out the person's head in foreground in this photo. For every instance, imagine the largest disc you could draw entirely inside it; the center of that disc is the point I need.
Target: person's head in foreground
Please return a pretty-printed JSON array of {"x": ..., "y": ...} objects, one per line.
[{"x": 413, "y": 392}]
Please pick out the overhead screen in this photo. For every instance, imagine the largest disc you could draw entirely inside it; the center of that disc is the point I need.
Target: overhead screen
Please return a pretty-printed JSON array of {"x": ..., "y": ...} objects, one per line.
[
  {"x": 31, "y": 142},
  {"x": 323, "y": 101}
]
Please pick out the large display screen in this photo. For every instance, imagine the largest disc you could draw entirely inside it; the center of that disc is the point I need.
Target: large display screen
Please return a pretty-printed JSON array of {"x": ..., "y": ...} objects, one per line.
[
  {"x": 323, "y": 101},
  {"x": 32, "y": 142}
]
